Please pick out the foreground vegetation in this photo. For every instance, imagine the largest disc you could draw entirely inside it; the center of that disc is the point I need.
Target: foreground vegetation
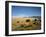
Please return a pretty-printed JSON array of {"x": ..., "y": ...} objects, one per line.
[{"x": 25, "y": 24}]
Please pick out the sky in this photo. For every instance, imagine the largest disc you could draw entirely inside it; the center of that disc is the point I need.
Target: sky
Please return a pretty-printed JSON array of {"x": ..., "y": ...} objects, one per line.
[{"x": 26, "y": 11}]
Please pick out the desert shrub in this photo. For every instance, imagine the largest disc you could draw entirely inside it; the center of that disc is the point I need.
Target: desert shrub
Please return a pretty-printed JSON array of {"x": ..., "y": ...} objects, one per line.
[
  {"x": 28, "y": 20},
  {"x": 17, "y": 21},
  {"x": 35, "y": 20}
]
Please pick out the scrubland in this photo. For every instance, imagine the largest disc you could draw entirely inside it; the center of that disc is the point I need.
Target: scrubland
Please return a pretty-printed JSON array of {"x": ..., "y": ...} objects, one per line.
[{"x": 19, "y": 24}]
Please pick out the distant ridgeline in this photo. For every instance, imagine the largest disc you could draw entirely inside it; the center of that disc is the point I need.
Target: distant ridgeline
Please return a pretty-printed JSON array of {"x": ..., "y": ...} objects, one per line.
[
  {"x": 33, "y": 17},
  {"x": 36, "y": 17}
]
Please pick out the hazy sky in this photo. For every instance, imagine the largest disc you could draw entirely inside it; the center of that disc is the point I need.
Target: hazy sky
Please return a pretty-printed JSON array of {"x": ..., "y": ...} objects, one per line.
[{"x": 26, "y": 11}]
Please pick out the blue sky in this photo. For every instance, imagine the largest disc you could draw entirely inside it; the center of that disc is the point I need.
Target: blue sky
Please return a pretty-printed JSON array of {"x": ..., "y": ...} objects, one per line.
[{"x": 26, "y": 11}]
